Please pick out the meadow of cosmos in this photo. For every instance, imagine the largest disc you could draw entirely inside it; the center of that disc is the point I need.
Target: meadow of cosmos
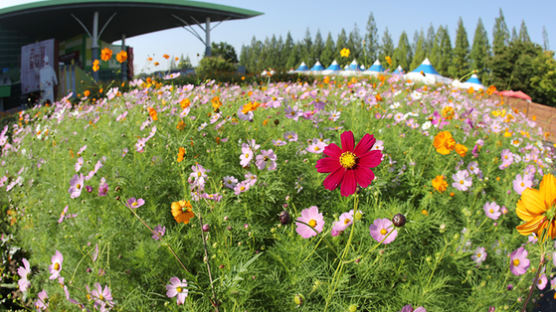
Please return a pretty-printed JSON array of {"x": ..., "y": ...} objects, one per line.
[{"x": 346, "y": 194}]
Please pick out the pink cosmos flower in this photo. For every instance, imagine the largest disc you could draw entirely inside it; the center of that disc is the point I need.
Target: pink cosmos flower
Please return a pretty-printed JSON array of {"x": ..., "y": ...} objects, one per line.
[
  {"x": 522, "y": 183},
  {"x": 313, "y": 222},
  {"x": 177, "y": 288},
  {"x": 23, "y": 271},
  {"x": 229, "y": 182},
  {"x": 290, "y": 136},
  {"x": 349, "y": 165},
  {"x": 159, "y": 231},
  {"x": 553, "y": 284},
  {"x": 79, "y": 164},
  {"x": 76, "y": 185},
  {"x": 316, "y": 146},
  {"x": 479, "y": 255},
  {"x": 241, "y": 187},
  {"x": 409, "y": 308},
  {"x": 492, "y": 210},
  {"x": 246, "y": 155},
  {"x": 542, "y": 281},
  {"x": 102, "y": 297},
  {"x": 42, "y": 302},
  {"x": 102, "y": 187},
  {"x": 81, "y": 150},
  {"x": 507, "y": 158},
  {"x": 135, "y": 203},
  {"x": 518, "y": 261},
  {"x": 266, "y": 159},
  {"x": 462, "y": 180},
  {"x": 56, "y": 267},
  {"x": 383, "y": 231},
  {"x": 250, "y": 178},
  {"x": 64, "y": 215},
  {"x": 345, "y": 220}
]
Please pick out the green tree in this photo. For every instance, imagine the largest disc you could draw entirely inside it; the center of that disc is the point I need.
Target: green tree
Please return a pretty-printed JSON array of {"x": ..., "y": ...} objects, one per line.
[
  {"x": 523, "y": 34},
  {"x": 329, "y": 52},
  {"x": 480, "y": 52},
  {"x": 460, "y": 61},
  {"x": 543, "y": 85},
  {"x": 441, "y": 55},
  {"x": 420, "y": 51},
  {"x": 387, "y": 49},
  {"x": 287, "y": 50},
  {"x": 341, "y": 43},
  {"x": 500, "y": 34},
  {"x": 402, "y": 54},
  {"x": 371, "y": 41},
  {"x": 545, "y": 43},
  {"x": 354, "y": 44},
  {"x": 307, "y": 44},
  {"x": 429, "y": 41},
  {"x": 294, "y": 57},
  {"x": 514, "y": 36},
  {"x": 224, "y": 50},
  {"x": 318, "y": 47},
  {"x": 184, "y": 63}
]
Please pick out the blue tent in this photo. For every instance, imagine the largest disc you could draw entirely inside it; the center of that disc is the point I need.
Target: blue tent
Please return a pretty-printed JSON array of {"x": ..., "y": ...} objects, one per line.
[
  {"x": 426, "y": 68},
  {"x": 317, "y": 67},
  {"x": 474, "y": 79},
  {"x": 302, "y": 67},
  {"x": 399, "y": 70},
  {"x": 353, "y": 66},
  {"x": 376, "y": 67},
  {"x": 332, "y": 69}
]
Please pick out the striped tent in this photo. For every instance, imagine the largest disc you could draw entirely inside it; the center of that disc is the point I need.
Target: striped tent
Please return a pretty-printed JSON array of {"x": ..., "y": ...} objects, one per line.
[
  {"x": 427, "y": 74},
  {"x": 334, "y": 68},
  {"x": 375, "y": 69},
  {"x": 317, "y": 67},
  {"x": 302, "y": 67}
]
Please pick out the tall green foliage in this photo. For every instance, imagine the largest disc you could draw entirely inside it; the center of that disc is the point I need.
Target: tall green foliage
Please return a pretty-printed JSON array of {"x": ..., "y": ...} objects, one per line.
[
  {"x": 354, "y": 44},
  {"x": 341, "y": 43},
  {"x": 420, "y": 51},
  {"x": 500, "y": 33},
  {"x": 318, "y": 47},
  {"x": 371, "y": 40},
  {"x": 523, "y": 34},
  {"x": 402, "y": 54},
  {"x": 306, "y": 55},
  {"x": 387, "y": 49},
  {"x": 329, "y": 52},
  {"x": 429, "y": 40},
  {"x": 287, "y": 51},
  {"x": 441, "y": 55},
  {"x": 460, "y": 62},
  {"x": 480, "y": 52}
]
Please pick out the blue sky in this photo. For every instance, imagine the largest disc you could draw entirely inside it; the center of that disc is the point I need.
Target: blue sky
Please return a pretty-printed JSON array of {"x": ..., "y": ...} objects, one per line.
[{"x": 331, "y": 16}]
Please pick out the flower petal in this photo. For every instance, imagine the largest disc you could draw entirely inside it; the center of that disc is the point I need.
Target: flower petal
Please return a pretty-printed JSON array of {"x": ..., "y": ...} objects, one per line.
[
  {"x": 548, "y": 189},
  {"x": 531, "y": 226},
  {"x": 365, "y": 144},
  {"x": 364, "y": 176},
  {"x": 370, "y": 159},
  {"x": 327, "y": 164},
  {"x": 332, "y": 150},
  {"x": 533, "y": 201},
  {"x": 348, "y": 183},
  {"x": 334, "y": 179},
  {"x": 347, "y": 141}
]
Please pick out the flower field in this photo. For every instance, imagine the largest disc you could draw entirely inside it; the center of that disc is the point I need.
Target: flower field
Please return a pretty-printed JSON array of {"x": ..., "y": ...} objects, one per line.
[{"x": 339, "y": 195}]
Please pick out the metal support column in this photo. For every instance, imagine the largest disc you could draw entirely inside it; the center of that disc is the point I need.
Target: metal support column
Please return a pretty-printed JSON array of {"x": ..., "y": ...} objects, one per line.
[
  {"x": 94, "y": 44},
  {"x": 124, "y": 64},
  {"x": 207, "y": 38}
]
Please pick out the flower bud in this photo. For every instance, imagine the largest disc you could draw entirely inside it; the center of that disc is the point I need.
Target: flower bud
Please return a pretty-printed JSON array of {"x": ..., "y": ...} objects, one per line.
[
  {"x": 284, "y": 217},
  {"x": 298, "y": 299},
  {"x": 206, "y": 227},
  {"x": 399, "y": 220}
]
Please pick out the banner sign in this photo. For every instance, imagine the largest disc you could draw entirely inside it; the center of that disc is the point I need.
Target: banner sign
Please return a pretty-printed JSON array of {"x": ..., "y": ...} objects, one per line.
[{"x": 32, "y": 60}]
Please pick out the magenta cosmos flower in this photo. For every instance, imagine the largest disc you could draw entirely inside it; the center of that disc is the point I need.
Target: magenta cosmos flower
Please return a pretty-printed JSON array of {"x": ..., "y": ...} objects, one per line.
[
  {"x": 350, "y": 165},
  {"x": 381, "y": 229},
  {"x": 135, "y": 203},
  {"x": 56, "y": 267},
  {"x": 518, "y": 261},
  {"x": 76, "y": 185},
  {"x": 102, "y": 297},
  {"x": 177, "y": 288},
  {"x": 345, "y": 220},
  {"x": 310, "y": 222},
  {"x": 42, "y": 302}
]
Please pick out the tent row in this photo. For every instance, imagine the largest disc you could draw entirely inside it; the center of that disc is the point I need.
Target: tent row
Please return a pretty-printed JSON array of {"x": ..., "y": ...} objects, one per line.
[{"x": 424, "y": 73}]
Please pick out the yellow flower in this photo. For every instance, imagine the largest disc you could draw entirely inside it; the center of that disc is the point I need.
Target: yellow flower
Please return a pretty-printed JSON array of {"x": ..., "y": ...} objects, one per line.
[
  {"x": 444, "y": 142},
  {"x": 344, "y": 52},
  {"x": 388, "y": 60},
  {"x": 106, "y": 54},
  {"x": 461, "y": 149},
  {"x": 439, "y": 183},
  {"x": 216, "y": 103},
  {"x": 96, "y": 66},
  {"x": 538, "y": 209},
  {"x": 448, "y": 112},
  {"x": 181, "y": 210}
]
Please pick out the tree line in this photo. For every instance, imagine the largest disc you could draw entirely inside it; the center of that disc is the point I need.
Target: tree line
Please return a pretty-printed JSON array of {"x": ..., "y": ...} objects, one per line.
[{"x": 511, "y": 61}]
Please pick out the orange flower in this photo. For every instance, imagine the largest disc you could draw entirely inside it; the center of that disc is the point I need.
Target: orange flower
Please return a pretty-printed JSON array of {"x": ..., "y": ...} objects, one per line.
[
  {"x": 439, "y": 183},
  {"x": 96, "y": 66},
  {"x": 444, "y": 142},
  {"x": 249, "y": 107},
  {"x": 149, "y": 59},
  {"x": 448, "y": 112},
  {"x": 185, "y": 103},
  {"x": 491, "y": 90},
  {"x": 176, "y": 58},
  {"x": 461, "y": 150},
  {"x": 181, "y": 210},
  {"x": 538, "y": 209},
  {"x": 181, "y": 153},
  {"x": 121, "y": 56},
  {"x": 181, "y": 125},
  {"x": 388, "y": 60},
  {"x": 156, "y": 63},
  {"x": 166, "y": 56},
  {"x": 86, "y": 93},
  {"x": 106, "y": 54},
  {"x": 153, "y": 113},
  {"x": 216, "y": 103}
]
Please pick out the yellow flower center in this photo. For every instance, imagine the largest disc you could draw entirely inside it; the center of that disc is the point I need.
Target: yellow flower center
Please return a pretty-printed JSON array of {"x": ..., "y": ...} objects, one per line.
[
  {"x": 491, "y": 210},
  {"x": 522, "y": 184},
  {"x": 56, "y": 266},
  {"x": 134, "y": 204},
  {"x": 479, "y": 255},
  {"x": 242, "y": 188},
  {"x": 460, "y": 181},
  {"x": 246, "y": 155},
  {"x": 383, "y": 231},
  {"x": 101, "y": 297},
  {"x": 317, "y": 148},
  {"x": 179, "y": 289},
  {"x": 312, "y": 223},
  {"x": 78, "y": 186},
  {"x": 348, "y": 160},
  {"x": 346, "y": 221},
  {"x": 516, "y": 262},
  {"x": 199, "y": 173}
]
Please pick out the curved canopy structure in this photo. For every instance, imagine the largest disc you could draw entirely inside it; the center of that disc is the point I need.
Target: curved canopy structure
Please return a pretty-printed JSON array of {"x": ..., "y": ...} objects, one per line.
[
  {"x": 333, "y": 68},
  {"x": 317, "y": 67},
  {"x": 58, "y": 18},
  {"x": 427, "y": 74},
  {"x": 302, "y": 67}
]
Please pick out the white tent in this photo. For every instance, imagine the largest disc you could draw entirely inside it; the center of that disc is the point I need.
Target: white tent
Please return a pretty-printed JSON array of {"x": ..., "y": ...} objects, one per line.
[
  {"x": 334, "y": 68},
  {"x": 427, "y": 74},
  {"x": 302, "y": 68},
  {"x": 472, "y": 82},
  {"x": 317, "y": 68},
  {"x": 375, "y": 69},
  {"x": 399, "y": 70}
]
